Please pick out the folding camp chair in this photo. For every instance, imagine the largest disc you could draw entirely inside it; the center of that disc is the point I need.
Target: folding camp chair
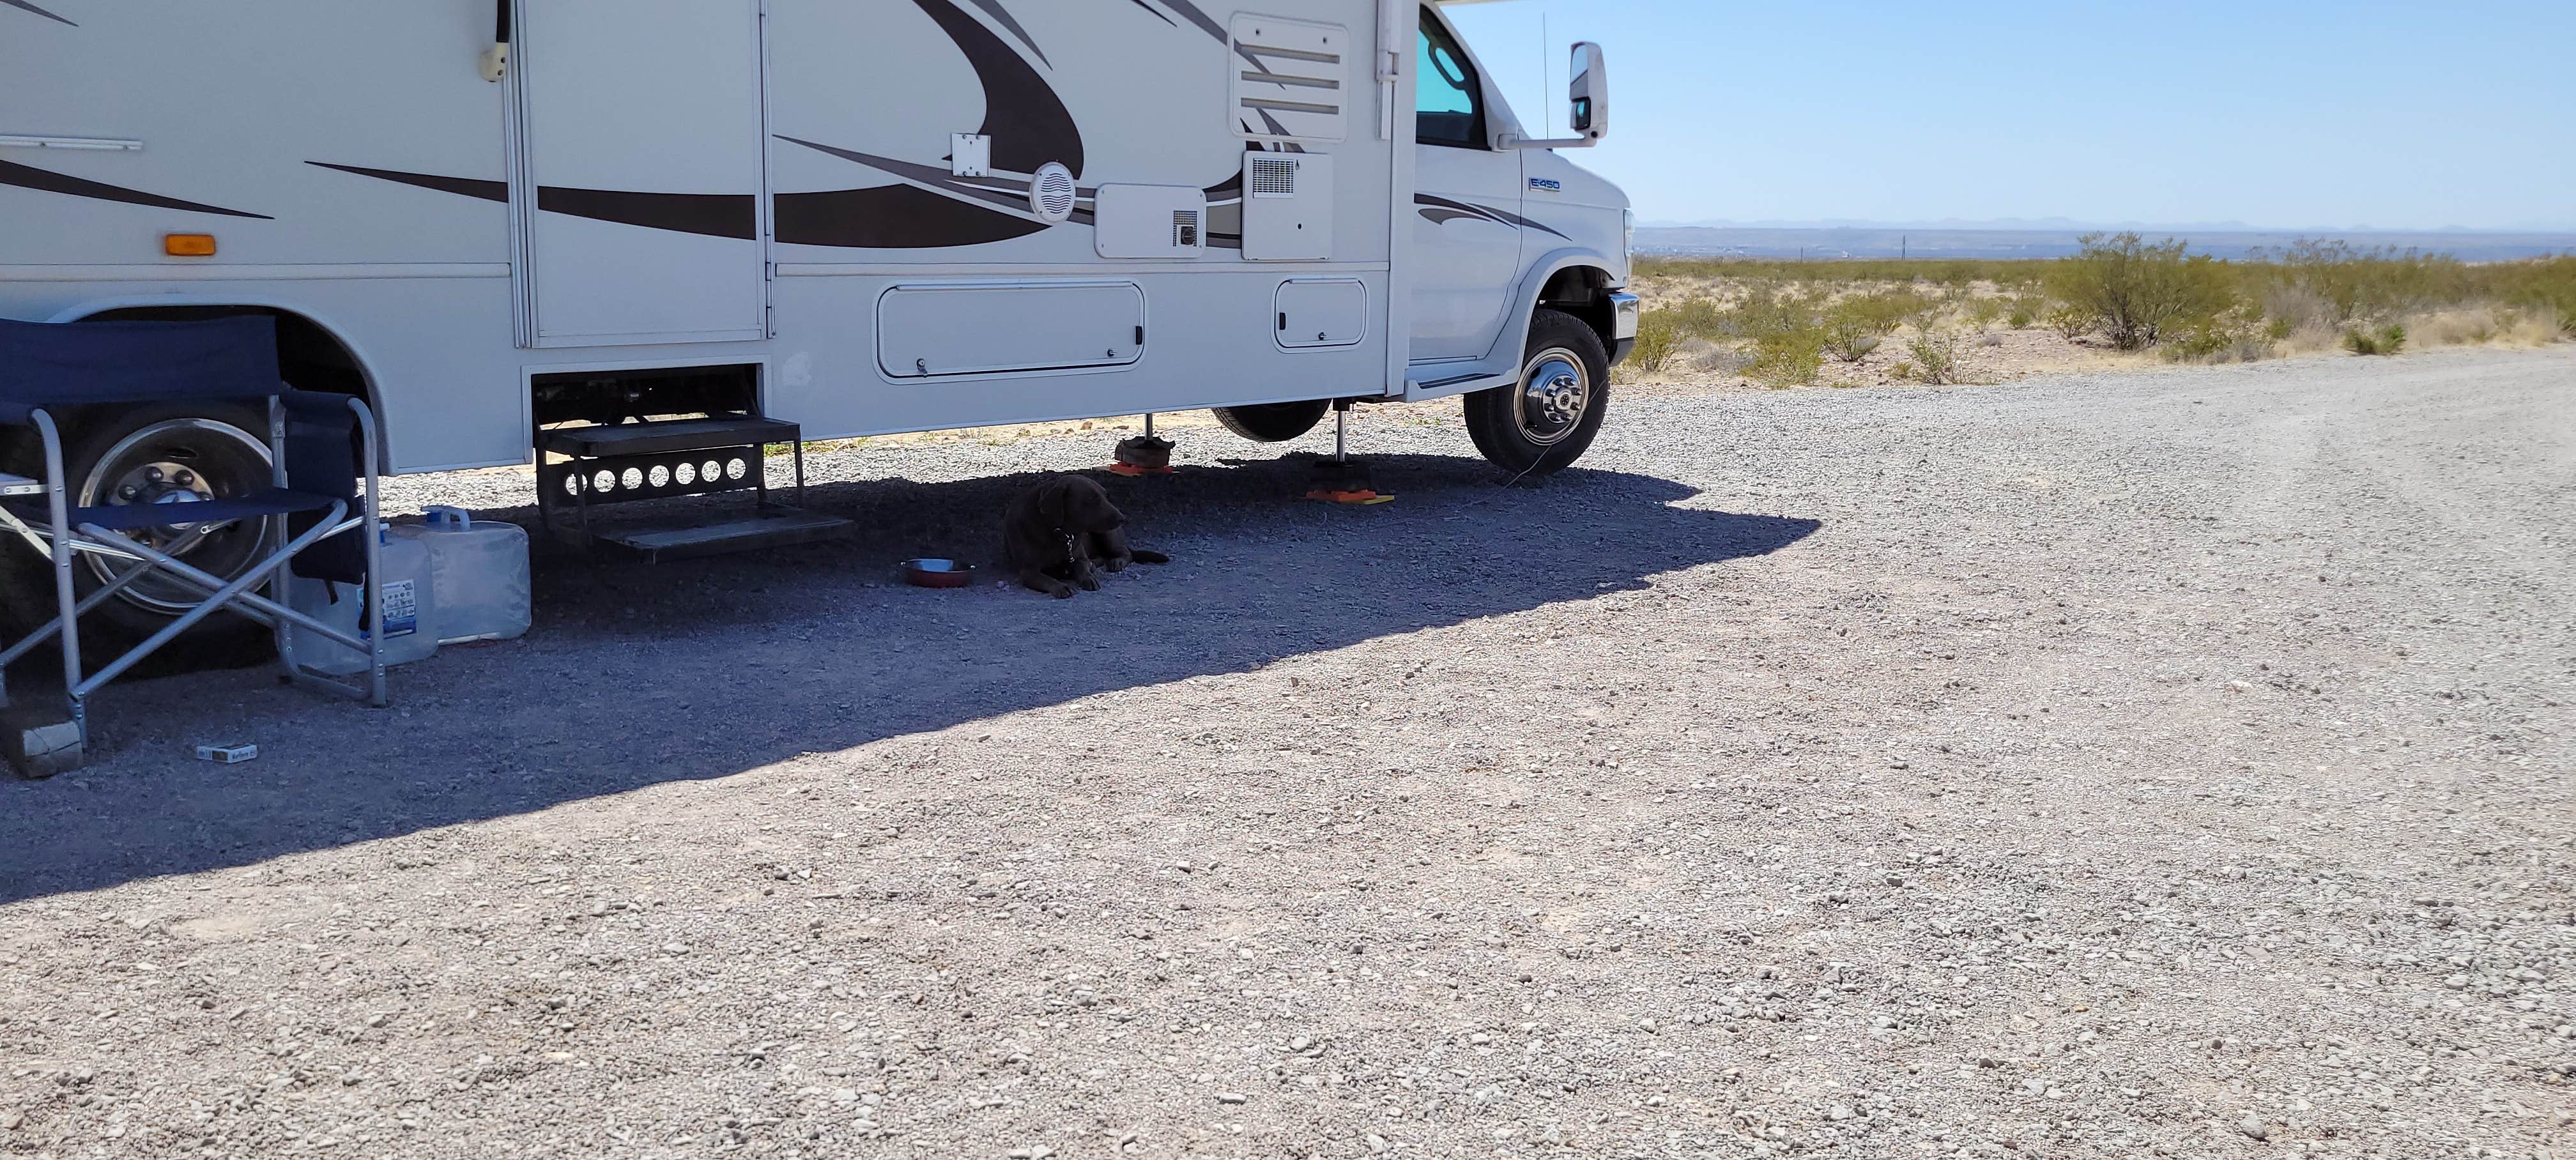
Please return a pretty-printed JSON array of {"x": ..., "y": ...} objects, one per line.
[{"x": 319, "y": 446}]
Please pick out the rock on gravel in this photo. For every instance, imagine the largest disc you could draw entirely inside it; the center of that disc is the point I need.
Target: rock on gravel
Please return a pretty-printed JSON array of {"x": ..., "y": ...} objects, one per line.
[{"x": 2164, "y": 764}]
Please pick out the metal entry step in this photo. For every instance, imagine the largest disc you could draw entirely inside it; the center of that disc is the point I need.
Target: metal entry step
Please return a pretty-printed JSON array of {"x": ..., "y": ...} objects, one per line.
[
  {"x": 668, "y": 435},
  {"x": 669, "y": 458},
  {"x": 776, "y": 527}
]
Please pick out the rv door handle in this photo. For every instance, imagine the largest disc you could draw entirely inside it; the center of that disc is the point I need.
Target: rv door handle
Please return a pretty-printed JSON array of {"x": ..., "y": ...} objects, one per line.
[{"x": 1283, "y": 320}]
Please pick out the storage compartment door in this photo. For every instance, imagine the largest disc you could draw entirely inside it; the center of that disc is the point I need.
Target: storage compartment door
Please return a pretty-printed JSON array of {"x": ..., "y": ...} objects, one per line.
[
  {"x": 985, "y": 329},
  {"x": 1316, "y": 312},
  {"x": 640, "y": 136}
]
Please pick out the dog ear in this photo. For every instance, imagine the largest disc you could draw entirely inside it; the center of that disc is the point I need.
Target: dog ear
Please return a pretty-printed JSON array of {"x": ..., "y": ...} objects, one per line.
[{"x": 1051, "y": 498}]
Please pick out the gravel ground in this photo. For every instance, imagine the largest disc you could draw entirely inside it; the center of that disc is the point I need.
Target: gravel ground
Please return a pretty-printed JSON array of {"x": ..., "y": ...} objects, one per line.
[{"x": 2170, "y": 763}]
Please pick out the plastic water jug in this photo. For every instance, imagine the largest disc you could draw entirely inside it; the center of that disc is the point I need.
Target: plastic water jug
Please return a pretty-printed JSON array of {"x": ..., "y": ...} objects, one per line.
[
  {"x": 478, "y": 573},
  {"x": 411, "y": 611}
]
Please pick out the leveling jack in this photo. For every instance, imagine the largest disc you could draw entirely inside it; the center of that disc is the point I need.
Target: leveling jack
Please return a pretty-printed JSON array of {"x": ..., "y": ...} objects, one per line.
[
  {"x": 1144, "y": 454},
  {"x": 1342, "y": 479}
]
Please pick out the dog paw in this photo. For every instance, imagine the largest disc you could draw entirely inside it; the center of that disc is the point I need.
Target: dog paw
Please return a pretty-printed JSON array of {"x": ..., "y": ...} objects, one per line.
[
  {"x": 1114, "y": 565},
  {"x": 1061, "y": 592},
  {"x": 1091, "y": 583}
]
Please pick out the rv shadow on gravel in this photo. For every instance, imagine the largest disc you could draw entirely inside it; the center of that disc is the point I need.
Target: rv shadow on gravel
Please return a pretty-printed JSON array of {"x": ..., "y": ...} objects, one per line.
[{"x": 639, "y": 675}]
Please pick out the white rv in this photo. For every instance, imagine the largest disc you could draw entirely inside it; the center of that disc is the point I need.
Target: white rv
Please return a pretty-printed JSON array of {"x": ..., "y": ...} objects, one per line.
[{"x": 800, "y": 219}]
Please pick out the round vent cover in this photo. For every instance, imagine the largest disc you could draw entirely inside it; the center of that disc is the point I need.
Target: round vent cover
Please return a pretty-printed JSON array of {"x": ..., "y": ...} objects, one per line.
[{"x": 1051, "y": 193}]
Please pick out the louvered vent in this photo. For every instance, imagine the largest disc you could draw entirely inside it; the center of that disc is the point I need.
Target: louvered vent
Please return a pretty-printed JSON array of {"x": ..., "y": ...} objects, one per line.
[
  {"x": 1051, "y": 193},
  {"x": 1185, "y": 228},
  {"x": 1273, "y": 176},
  {"x": 1288, "y": 79}
]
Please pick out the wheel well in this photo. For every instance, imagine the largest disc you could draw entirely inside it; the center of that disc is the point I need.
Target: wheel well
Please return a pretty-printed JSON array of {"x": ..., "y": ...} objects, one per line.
[
  {"x": 1584, "y": 292},
  {"x": 309, "y": 356}
]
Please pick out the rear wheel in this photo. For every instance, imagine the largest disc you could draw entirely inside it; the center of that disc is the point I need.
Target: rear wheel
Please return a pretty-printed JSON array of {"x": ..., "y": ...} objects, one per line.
[
  {"x": 1274, "y": 422},
  {"x": 1544, "y": 421}
]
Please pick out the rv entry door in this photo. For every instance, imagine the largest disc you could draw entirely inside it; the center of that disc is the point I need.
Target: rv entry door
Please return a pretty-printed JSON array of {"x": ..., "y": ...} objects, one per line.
[{"x": 640, "y": 175}]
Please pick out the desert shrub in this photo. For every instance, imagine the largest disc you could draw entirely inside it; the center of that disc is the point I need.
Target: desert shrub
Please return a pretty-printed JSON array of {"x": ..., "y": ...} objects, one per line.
[
  {"x": 1936, "y": 356},
  {"x": 2070, "y": 322},
  {"x": 2298, "y": 306},
  {"x": 1789, "y": 356},
  {"x": 1983, "y": 313},
  {"x": 2467, "y": 327},
  {"x": 2026, "y": 309},
  {"x": 2547, "y": 288},
  {"x": 1882, "y": 312},
  {"x": 2360, "y": 282},
  {"x": 2388, "y": 339},
  {"x": 1709, "y": 358},
  {"x": 1854, "y": 326},
  {"x": 1658, "y": 334},
  {"x": 1765, "y": 311},
  {"x": 2240, "y": 336},
  {"x": 1696, "y": 318},
  {"x": 1848, "y": 345},
  {"x": 1902, "y": 372},
  {"x": 2132, "y": 291}
]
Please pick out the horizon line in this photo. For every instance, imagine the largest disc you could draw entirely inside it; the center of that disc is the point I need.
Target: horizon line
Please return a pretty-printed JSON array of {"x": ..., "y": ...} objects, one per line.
[{"x": 2060, "y": 225}]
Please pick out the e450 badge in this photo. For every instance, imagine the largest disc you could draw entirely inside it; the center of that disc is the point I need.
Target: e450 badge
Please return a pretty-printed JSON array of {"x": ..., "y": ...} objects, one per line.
[{"x": 1547, "y": 184}]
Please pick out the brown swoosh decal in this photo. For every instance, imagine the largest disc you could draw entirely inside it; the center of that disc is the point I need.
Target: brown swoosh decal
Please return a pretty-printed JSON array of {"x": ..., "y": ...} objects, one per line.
[
  {"x": 994, "y": 9},
  {"x": 29, "y": 177},
  {"x": 892, "y": 217},
  {"x": 1193, "y": 15},
  {"x": 1028, "y": 123},
  {"x": 716, "y": 215},
  {"x": 465, "y": 186},
  {"x": 22, "y": 4}
]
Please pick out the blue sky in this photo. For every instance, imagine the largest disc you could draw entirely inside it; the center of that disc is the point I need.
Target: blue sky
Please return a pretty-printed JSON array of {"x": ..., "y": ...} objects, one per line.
[{"x": 2395, "y": 116}]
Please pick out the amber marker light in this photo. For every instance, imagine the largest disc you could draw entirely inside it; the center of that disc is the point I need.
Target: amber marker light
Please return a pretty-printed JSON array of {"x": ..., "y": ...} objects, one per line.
[{"x": 188, "y": 245}]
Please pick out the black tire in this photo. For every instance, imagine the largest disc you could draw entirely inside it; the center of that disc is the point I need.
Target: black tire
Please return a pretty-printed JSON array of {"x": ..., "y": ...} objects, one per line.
[
  {"x": 1274, "y": 422},
  {"x": 228, "y": 444},
  {"x": 1545, "y": 421}
]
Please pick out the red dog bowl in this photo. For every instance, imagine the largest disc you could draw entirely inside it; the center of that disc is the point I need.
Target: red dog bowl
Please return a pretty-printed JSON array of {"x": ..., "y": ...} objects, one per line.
[{"x": 938, "y": 573}]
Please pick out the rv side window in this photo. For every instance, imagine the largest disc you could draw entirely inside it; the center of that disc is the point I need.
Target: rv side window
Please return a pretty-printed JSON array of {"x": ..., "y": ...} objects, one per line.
[{"x": 1448, "y": 108}]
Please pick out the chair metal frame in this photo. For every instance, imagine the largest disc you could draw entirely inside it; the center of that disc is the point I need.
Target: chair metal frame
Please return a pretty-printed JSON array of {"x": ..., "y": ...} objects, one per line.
[{"x": 62, "y": 541}]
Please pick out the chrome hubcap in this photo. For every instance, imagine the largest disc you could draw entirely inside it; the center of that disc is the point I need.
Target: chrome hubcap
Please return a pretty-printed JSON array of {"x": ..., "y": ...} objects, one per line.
[
  {"x": 1555, "y": 393},
  {"x": 178, "y": 463}
]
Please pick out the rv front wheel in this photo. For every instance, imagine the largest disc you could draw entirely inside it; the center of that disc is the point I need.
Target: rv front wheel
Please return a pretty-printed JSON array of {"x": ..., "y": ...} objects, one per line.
[
  {"x": 1274, "y": 422},
  {"x": 1546, "y": 419}
]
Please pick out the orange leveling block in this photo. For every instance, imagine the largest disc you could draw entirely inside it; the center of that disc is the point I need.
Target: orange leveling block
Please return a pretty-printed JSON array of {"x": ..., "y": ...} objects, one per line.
[
  {"x": 1342, "y": 479},
  {"x": 1143, "y": 455}
]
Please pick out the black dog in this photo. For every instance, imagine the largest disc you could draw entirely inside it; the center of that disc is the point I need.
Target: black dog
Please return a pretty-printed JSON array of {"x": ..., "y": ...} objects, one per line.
[{"x": 1054, "y": 535}]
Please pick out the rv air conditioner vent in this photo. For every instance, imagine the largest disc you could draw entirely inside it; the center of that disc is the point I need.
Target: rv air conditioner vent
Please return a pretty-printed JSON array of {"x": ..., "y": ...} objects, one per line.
[
  {"x": 1274, "y": 176},
  {"x": 1185, "y": 228},
  {"x": 1051, "y": 193}
]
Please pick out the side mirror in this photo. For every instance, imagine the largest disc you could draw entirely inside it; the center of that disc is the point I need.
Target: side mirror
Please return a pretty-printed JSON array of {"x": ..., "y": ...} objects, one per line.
[{"x": 1589, "y": 93}]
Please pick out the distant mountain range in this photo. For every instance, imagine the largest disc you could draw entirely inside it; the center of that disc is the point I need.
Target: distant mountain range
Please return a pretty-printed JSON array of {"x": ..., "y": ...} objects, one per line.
[
  {"x": 2059, "y": 224},
  {"x": 2051, "y": 239}
]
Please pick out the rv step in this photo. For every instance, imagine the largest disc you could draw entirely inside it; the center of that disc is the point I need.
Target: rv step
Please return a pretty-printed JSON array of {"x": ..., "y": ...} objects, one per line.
[
  {"x": 663, "y": 436},
  {"x": 773, "y": 527}
]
